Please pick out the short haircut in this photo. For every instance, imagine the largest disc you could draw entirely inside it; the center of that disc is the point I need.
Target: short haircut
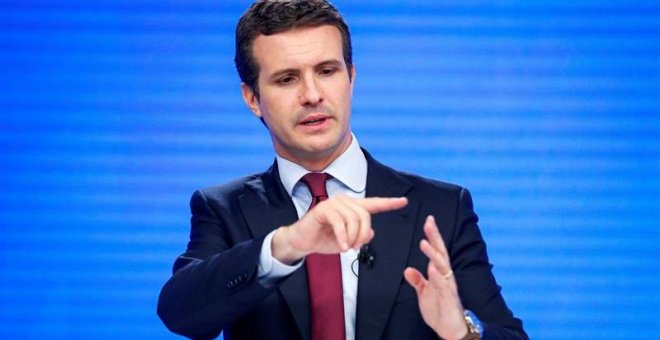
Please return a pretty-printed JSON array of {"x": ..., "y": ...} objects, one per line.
[{"x": 269, "y": 17}]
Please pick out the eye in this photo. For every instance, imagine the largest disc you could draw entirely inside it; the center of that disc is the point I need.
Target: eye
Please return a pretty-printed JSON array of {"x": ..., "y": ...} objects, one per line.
[
  {"x": 286, "y": 80},
  {"x": 328, "y": 71}
]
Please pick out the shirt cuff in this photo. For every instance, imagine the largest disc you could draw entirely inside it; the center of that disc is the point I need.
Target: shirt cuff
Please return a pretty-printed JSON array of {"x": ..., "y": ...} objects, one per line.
[{"x": 270, "y": 269}]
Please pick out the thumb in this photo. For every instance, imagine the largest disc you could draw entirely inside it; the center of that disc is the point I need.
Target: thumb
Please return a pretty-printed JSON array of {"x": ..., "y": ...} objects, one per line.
[{"x": 415, "y": 279}]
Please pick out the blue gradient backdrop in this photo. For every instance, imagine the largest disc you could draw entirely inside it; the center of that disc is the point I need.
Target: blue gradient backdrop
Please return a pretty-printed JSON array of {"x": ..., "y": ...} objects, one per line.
[{"x": 113, "y": 112}]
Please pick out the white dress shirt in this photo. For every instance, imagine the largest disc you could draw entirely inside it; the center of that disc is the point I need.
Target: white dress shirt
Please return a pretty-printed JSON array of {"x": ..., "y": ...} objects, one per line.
[{"x": 349, "y": 177}]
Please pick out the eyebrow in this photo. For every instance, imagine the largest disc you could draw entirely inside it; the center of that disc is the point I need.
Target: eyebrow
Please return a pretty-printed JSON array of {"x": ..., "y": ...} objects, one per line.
[{"x": 330, "y": 62}]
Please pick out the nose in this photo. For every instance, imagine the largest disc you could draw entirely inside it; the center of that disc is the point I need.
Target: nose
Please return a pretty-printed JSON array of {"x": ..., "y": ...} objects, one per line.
[{"x": 310, "y": 93}]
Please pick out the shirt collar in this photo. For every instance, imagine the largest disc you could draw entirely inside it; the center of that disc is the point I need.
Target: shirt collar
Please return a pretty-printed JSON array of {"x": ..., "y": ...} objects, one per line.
[{"x": 350, "y": 168}]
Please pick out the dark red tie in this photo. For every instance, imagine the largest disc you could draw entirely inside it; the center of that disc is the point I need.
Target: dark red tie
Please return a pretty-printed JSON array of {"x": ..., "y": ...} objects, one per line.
[{"x": 324, "y": 277}]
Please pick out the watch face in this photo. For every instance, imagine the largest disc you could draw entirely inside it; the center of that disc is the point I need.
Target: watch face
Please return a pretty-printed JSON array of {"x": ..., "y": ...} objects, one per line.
[{"x": 473, "y": 322}]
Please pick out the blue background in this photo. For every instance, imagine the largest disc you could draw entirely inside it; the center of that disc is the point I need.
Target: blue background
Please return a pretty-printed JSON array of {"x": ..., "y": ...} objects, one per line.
[{"x": 113, "y": 112}]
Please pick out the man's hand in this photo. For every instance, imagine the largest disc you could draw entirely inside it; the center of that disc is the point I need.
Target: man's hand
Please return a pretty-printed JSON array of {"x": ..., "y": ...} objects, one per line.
[
  {"x": 331, "y": 227},
  {"x": 438, "y": 296}
]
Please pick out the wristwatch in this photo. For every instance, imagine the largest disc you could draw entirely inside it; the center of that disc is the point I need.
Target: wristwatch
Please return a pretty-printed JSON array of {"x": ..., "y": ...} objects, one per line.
[{"x": 475, "y": 329}]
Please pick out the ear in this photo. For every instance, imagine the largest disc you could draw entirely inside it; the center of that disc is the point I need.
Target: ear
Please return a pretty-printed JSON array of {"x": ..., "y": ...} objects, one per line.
[
  {"x": 352, "y": 70},
  {"x": 250, "y": 99}
]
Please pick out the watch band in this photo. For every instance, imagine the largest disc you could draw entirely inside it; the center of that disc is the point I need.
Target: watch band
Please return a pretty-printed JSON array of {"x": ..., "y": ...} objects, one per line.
[{"x": 474, "y": 326}]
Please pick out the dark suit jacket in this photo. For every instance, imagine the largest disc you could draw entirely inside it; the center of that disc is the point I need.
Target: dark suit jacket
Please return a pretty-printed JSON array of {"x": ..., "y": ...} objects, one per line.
[{"x": 215, "y": 286}]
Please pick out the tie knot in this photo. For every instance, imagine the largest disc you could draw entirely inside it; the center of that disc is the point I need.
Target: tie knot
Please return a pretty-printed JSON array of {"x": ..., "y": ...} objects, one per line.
[{"x": 315, "y": 181}]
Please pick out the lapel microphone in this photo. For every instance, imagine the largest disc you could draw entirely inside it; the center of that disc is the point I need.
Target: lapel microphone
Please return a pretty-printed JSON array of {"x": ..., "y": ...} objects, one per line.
[{"x": 366, "y": 255}]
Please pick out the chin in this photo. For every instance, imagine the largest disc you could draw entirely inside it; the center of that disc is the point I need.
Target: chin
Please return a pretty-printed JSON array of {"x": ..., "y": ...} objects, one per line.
[{"x": 329, "y": 143}]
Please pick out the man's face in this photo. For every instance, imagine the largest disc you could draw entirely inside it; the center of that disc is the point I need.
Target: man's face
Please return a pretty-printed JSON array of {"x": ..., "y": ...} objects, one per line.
[{"x": 305, "y": 94}]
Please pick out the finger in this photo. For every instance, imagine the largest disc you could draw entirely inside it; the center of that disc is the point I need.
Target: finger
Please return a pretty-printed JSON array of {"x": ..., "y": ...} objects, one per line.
[
  {"x": 348, "y": 211},
  {"x": 433, "y": 235},
  {"x": 439, "y": 269},
  {"x": 364, "y": 232},
  {"x": 376, "y": 205},
  {"x": 440, "y": 279},
  {"x": 436, "y": 258},
  {"x": 336, "y": 221},
  {"x": 415, "y": 279},
  {"x": 436, "y": 277}
]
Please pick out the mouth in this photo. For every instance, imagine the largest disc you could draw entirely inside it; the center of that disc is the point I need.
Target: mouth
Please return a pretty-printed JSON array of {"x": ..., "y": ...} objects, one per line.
[{"x": 314, "y": 120}]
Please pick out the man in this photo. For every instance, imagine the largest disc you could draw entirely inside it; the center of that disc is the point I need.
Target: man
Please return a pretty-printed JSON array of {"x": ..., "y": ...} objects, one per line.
[{"x": 328, "y": 243}]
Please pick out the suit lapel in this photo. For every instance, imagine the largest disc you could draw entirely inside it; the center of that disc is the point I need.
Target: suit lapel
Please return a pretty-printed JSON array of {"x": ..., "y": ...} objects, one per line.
[
  {"x": 378, "y": 285},
  {"x": 267, "y": 206}
]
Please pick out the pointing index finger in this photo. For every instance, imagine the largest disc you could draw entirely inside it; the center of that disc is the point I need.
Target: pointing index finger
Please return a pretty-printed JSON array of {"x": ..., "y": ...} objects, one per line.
[{"x": 376, "y": 205}]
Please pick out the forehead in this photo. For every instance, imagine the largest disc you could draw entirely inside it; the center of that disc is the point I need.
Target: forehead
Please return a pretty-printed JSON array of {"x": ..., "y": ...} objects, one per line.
[{"x": 297, "y": 48}]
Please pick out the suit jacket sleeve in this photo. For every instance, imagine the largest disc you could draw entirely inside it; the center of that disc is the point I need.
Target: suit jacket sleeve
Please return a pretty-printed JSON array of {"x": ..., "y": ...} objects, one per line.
[
  {"x": 477, "y": 287},
  {"x": 215, "y": 281}
]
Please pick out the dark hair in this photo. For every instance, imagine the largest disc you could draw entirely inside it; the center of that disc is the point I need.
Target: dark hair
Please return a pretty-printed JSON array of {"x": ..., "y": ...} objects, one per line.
[{"x": 269, "y": 17}]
